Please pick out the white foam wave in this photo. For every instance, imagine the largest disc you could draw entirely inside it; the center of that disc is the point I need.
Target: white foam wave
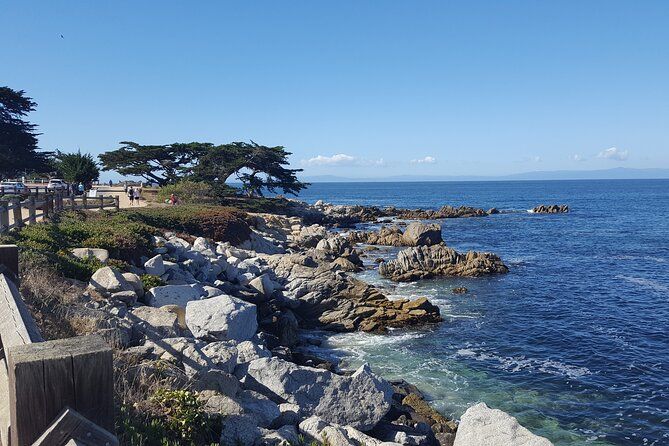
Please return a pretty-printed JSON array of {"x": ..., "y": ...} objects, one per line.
[
  {"x": 646, "y": 283},
  {"x": 523, "y": 364}
]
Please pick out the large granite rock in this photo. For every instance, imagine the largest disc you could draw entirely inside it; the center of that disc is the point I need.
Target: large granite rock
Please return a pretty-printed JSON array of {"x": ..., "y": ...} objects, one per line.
[
  {"x": 439, "y": 260},
  {"x": 155, "y": 266},
  {"x": 483, "y": 426},
  {"x": 171, "y": 295},
  {"x": 222, "y": 318},
  {"x": 359, "y": 400},
  {"x": 330, "y": 299},
  {"x": 153, "y": 323},
  {"x": 318, "y": 429},
  {"x": 108, "y": 281},
  {"x": 416, "y": 234},
  {"x": 102, "y": 255},
  {"x": 421, "y": 234},
  {"x": 240, "y": 430}
]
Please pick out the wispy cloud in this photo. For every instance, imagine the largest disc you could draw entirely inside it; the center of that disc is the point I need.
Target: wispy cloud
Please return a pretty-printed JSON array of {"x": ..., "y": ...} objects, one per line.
[
  {"x": 425, "y": 160},
  {"x": 614, "y": 153},
  {"x": 342, "y": 159},
  {"x": 577, "y": 157}
]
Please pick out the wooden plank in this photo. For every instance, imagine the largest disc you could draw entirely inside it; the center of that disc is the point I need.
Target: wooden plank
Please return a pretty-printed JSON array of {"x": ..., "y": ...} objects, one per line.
[
  {"x": 17, "y": 326},
  {"x": 4, "y": 404},
  {"x": 94, "y": 381},
  {"x": 74, "y": 371},
  {"x": 18, "y": 217},
  {"x": 26, "y": 399},
  {"x": 32, "y": 218},
  {"x": 72, "y": 426},
  {"x": 4, "y": 216}
]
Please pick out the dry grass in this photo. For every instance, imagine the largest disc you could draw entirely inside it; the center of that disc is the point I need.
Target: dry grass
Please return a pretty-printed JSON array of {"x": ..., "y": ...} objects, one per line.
[{"x": 51, "y": 298}]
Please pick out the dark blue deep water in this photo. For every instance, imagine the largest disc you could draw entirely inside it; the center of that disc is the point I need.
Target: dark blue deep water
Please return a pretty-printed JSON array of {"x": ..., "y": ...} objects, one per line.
[{"x": 574, "y": 341}]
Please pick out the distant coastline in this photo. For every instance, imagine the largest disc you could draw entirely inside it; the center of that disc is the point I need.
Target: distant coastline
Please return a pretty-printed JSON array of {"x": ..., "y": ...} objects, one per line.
[{"x": 619, "y": 173}]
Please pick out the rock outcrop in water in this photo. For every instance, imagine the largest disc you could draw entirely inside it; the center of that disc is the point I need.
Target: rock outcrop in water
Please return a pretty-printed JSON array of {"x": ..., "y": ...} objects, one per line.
[
  {"x": 348, "y": 216},
  {"x": 551, "y": 209},
  {"x": 439, "y": 260},
  {"x": 415, "y": 234},
  {"x": 443, "y": 212}
]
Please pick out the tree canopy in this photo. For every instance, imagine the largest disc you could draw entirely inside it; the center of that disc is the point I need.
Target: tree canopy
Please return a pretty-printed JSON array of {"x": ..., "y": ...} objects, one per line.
[
  {"x": 18, "y": 137},
  {"x": 76, "y": 168},
  {"x": 257, "y": 167},
  {"x": 163, "y": 164}
]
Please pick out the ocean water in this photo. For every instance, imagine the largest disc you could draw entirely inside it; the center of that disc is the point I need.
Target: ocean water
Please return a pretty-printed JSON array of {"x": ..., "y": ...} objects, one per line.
[{"x": 574, "y": 341}]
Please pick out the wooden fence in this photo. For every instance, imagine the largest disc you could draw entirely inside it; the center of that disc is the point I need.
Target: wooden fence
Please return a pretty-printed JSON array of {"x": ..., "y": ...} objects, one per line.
[
  {"x": 52, "y": 393},
  {"x": 13, "y": 212}
]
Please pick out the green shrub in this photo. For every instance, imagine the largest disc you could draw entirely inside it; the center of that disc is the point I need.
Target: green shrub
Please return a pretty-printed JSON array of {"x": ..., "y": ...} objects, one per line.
[
  {"x": 51, "y": 242},
  {"x": 188, "y": 192},
  {"x": 219, "y": 223},
  {"x": 168, "y": 417},
  {"x": 149, "y": 281}
]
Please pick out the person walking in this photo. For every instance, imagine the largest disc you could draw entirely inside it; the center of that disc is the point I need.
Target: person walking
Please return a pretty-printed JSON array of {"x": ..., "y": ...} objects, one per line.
[
  {"x": 131, "y": 196},
  {"x": 81, "y": 188},
  {"x": 137, "y": 192}
]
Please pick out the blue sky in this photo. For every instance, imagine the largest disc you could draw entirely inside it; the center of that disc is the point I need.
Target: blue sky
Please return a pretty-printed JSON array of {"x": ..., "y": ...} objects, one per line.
[{"x": 359, "y": 88}]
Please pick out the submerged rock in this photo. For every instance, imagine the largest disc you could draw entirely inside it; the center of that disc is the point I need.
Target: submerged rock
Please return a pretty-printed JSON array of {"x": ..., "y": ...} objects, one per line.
[
  {"x": 483, "y": 426},
  {"x": 439, "y": 260},
  {"x": 550, "y": 209}
]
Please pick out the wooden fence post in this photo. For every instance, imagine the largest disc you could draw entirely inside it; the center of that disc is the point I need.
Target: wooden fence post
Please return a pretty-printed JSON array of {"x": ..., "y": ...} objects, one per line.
[
  {"x": 102, "y": 202},
  {"x": 46, "y": 377},
  {"x": 18, "y": 213},
  {"x": 9, "y": 258},
  {"x": 71, "y": 200},
  {"x": 4, "y": 216},
  {"x": 117, "y": 202},
  {"x": 46, "y": 207},
  {"x": 32, "y": 219},
  {"x": 84, "y": 201}
]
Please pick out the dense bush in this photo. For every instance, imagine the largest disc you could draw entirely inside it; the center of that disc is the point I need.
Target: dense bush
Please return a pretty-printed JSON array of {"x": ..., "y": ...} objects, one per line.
[
  {"x": 188, "y": 192},
  {"x": 50, "y": 243},
  {"x": 219, "y": 223}
]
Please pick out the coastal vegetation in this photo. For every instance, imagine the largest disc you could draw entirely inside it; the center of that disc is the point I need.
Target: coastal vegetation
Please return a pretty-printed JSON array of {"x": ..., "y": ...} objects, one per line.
[{"x": 258, "y": 168}]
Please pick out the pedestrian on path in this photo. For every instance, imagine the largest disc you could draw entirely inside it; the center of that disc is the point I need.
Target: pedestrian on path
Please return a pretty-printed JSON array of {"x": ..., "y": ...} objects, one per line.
[
  {"x": 137, "y": 193},
  {"x": 131, "y": 196}
]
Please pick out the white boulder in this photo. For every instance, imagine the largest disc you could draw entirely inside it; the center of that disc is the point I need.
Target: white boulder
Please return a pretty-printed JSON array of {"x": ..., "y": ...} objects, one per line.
[
  {"x": 359, "y": 400},
  {"x": 483, "y": 426},
  {"x": 155, "y": 266},
  {"x": 100, "y": 254},
  {"x": 222, "y": 318},
  {"x": 108, "y": 281},
  {"x": 171, "y": 295}
]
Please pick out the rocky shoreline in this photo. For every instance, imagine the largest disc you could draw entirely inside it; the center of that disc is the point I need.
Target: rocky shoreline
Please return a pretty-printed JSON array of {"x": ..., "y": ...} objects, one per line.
[{"x": 231, "y": 318}]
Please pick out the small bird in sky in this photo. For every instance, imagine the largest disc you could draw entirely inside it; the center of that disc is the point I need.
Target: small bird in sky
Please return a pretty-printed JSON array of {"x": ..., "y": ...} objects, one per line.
[{"x": 61, "y": 36}]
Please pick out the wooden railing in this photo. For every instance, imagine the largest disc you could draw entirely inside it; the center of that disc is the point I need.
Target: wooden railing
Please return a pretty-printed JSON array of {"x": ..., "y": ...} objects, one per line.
[
  {"x": 12, "y": 211},
  {"x": 52, "y": 393}
]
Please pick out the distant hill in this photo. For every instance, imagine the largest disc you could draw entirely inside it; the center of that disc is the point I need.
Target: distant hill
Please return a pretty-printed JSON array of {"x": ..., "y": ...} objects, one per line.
[{"x": 618, "y": 173}]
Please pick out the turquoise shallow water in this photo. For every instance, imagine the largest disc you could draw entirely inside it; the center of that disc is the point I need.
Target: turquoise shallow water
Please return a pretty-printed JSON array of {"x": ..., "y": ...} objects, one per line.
[{"x": 574, "y": 341}]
